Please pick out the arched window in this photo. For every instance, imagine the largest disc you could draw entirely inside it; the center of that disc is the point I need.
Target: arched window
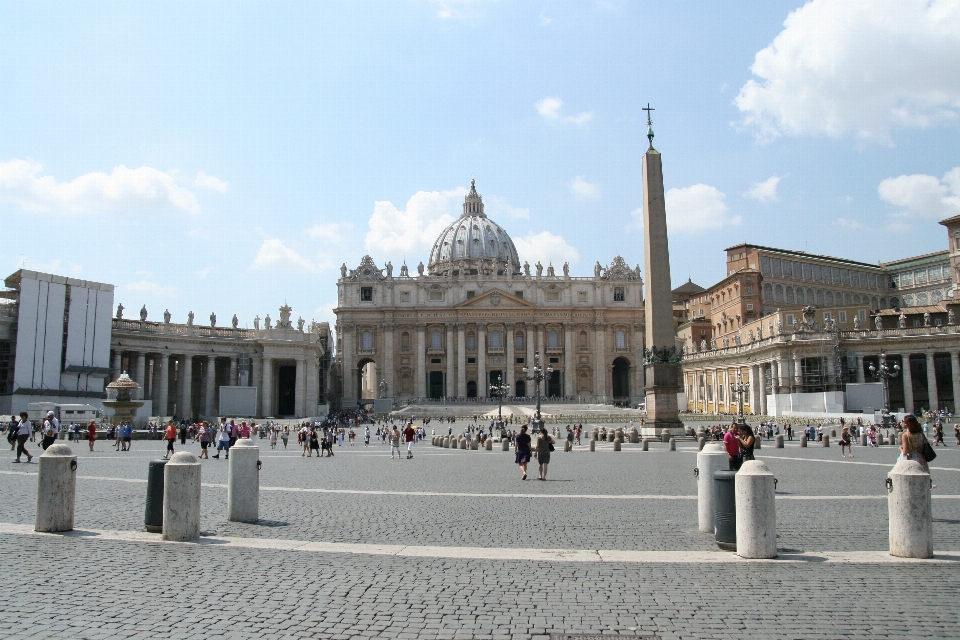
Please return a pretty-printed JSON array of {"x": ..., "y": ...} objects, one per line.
[
  {"x": 366, "y": 341},
  {"x": 495, "y": 339},
  {"x": 621, "y": 340},
  {"x": 800, "y": 297},
  {"x": 405, "y": 341},
  {"x": 472, "y": 342},
  {"x": 789, "y": 297},
  {"x": 779, "y": 293},
  {"x": 828, "y": 298},
  {"x": 820, "y": 297},
  {"x": 583, "y": 341},
  {"x": 847, "y": 299},
  {"x": 518, "y": 340},
  {"x": 883, "y": 303},
  {"x": 436, "y": 339},
  {"x": 553, "y": 340},
  {"x": 810, "y": 296},
  {"x": 768, "y": 292},
  {"x": 874, "y": 303}
]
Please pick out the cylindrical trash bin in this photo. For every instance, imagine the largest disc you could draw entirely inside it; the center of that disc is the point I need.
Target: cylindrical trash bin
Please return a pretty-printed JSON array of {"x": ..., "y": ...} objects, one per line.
[
  {"x": 712, "y": 458},
  {"x": 153, "y": 514},
  {"x": 910, "y": 514},
  {"x": 56, "y": 489},
  {"x": 243, "y": 482},
  {"x": 725, "y": 509},
  {"x": 863, "y": 438}
]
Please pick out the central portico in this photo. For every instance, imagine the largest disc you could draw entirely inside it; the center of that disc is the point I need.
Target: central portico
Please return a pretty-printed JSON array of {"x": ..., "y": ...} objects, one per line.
[{"x": 475, "y": 314}]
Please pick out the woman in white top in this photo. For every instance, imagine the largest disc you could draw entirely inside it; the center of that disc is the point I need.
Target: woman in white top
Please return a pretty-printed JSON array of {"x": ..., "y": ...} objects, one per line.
[{"x": 273, "y": 437}]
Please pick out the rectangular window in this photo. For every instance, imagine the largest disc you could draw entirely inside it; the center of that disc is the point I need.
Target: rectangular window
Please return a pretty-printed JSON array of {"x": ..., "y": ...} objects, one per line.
[
  {"x": 366, "y": 294},
  {"x": 906, "y": 279},
  {"x": 920, "y": 276},
  {"x": 470, "y": 294},
  {"x": 519, "y": 360},
  {"x": 472, "y": 342},
  {"x": 519, "y": 341},
  {"x": 471, "y": 361},
  {"x": 777, "y": 268},
  {"x": 817, "y": 273},
  {"x": 845, "y": 274},
  {"x": 554, "y": 360},
  {"x": 436, "y": 295},
  {"x": 749, "y": 290},
  {"x": 404, "y": 296},
  {"x": 618, "y": 295},
  {"x": 807, "y": 271},
  {"x": 835, "y": 273},
  {"x": 842, "y": 315},
  {"x": 581, "y": 296},
  {"x": 435, "y": 360},
  {"x": 749, "y": 307},
  {"x": 765, "y": 267},
  {"x": 862, "y": 315},
  {"x": 553, "y": 296},
  {"x": 519, "y": 294},
  {"x": 789, "y": 319},
  {"x": 826, "y": 315}
]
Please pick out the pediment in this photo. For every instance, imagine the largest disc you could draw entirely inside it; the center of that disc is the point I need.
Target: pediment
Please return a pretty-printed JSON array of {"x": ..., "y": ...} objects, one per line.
[{"x": 495, "y": 299}]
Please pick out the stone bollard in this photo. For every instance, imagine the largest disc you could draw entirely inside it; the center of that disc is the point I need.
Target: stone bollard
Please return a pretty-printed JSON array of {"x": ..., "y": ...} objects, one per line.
[
  {"x": 463, "y": 443},
  {"x": 153, "y": 512},
  {"x": 863, "y": 439},
  {"x": 634, "y": 436},
  {"x": 243, "y": 482},
  {"x": 779, "y": 441},
  {"x": 757, "y": 443},
  {"x": 616, "y": 444},
  {"x": 673, "y": 444},
  {"x": 833, "y": 433},
  {"x": 181, "y": 498},
  {"x": 826, "y": 440},
  {"x": 595, "y": 433},
  {"x": 711, "y": 458},
  {"x": 489, "y": 444},
  {"x": 701, "y": 443},
  {"x": 505, "y": 445},
  {"x": 619, "y": 433},
  {"x": 611, "y": 435},
  {"x": 665, "y": 436},
  {"x": 646, "y": 445},
  {"x": 566, "y": 446},
  {"x": 803, "y": 441},
  {"x": 56, "y": 489},
  {"x": 910, "y": 513},
  {"x": 593, "y": 445},
  {"x": 880, "y": 440},
  {"x": 756, "y": 511},
  {"x": 446, "y": 442},
  {"x": 474, "y": 445}
]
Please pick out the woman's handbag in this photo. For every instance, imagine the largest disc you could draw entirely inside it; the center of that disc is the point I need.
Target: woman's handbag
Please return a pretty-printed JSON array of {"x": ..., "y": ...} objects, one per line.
[{"x": 928, "y": 453}]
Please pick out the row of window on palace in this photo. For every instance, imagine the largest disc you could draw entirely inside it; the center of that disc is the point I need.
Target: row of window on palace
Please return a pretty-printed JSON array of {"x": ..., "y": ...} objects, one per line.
[
  {"x": 799, "y": 295},
  {"x": 496, "y": 339},
  {"x": 436, "y": 295},
  {"x": 778, "y": 268}
]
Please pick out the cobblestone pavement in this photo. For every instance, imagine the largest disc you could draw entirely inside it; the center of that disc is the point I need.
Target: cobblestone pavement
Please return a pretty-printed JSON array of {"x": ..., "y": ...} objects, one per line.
[{"x": 630, "y": 500}]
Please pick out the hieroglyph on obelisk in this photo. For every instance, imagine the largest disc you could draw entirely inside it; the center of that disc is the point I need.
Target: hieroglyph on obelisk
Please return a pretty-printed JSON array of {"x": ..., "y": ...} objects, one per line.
[{"x": 661, "y": 358}]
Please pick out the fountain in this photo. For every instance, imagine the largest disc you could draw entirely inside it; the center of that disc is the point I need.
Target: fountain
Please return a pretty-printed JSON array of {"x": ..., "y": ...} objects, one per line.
[{"x": 123, "y": 407}]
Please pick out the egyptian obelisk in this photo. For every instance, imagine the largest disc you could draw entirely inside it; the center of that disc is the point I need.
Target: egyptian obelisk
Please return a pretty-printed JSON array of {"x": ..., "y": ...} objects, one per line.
[{"x": 661, "y": 358}]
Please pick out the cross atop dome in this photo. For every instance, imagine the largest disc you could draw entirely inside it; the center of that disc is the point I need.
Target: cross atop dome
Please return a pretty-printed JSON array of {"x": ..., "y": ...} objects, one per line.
[{"x": 472, "y": 202}]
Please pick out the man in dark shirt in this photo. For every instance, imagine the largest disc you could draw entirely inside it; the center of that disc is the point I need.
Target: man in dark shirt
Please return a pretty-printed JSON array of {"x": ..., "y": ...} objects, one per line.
[{"x": 408, "y": 436}]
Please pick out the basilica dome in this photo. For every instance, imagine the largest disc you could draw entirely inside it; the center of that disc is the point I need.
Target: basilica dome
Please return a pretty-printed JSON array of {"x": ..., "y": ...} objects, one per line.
[{"x": 473, "y": 244}]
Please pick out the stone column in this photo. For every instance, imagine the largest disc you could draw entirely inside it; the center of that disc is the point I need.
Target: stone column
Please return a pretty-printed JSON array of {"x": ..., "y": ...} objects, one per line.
[
  {"x": 461, "y": 360},
  {"x": 155, "y": 382},
  {"x": 754, "y": 380},
  {"x": 300, "y": 389},
  {"x": 389, "y": 367},
  {"x": 569, "y": 362},
  {"x": 762, "y": 380},
  {"x": 266, "y": 393},
  {"x": 932, "y": 395},
  {"x": 955, "y": 376},
  {"x": 141, "y": 374},
  {"x": 348, "y": 362},
  {"x": 311, "y": 382},
  {"x": 858, "y": 363},
  {"x": 186, "y": 391},
  {"x": 531, "y": 342},
  {"x": 542, "y": 345},
  {"x": 775, "y": 375},
  {"x": 210, "y": 385},
  {"x": 163, "y": 398},
  {"x": 420, "y": 381},
  {"x": 448, "y": 383},
  {"x": 907, "y": 385},
  {"x": 511, "y": 367},
  {"x": 117, "y": 365},
  {"x": 483, "y": 386},
  {"x": 600, "y": 365},
  {"x": 798, "y": 374},
  {"x": 716, "y": 390},
  {"x": 256, "y": 376}
]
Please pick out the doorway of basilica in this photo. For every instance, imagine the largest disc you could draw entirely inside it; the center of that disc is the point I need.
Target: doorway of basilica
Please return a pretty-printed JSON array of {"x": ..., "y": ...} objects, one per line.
[
  {"x": 472, "y": 389},
  {"x": 621, "y": 380},
  {"x": 286, "y": 390},
  {"x": 435, "y": 385}
]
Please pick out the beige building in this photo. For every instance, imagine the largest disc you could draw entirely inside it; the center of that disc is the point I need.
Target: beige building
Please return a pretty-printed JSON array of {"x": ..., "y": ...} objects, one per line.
[{"x": 475, "y": 315}]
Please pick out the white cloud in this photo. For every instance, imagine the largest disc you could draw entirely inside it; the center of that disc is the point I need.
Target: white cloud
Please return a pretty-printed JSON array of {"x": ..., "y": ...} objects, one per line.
[
  {"x": 203, "y": 273},
  {"x": 849, "y": 225},
  {"x": 413, "y": 230},
  {"x": 149, "y": 288},
  {"x": 335, "y": 232},
  {"x": 210, "y": 182},
  {"x": 923, "y": 196},
  {"x": 699, "y": 207},
  {"x": 765, "y": 191},
  {"x": 580, "y": 118},
  {"x": 544, "y": 20},
  {"x": 457, "y": 9},
  {"x": 545, "y": 247},
  {"x": 583, "y": 188},
  {"x": 122, "y": 191},
  {"x": 497, "y": 207},
  {"x": 844, "y": 66},
  {"x": 549, "y": 107},
  {"x": 273, "y": 254}
]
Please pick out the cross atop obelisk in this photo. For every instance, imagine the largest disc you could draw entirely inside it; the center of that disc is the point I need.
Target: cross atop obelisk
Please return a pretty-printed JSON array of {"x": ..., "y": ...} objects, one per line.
[{"x": 661, "y": 357}]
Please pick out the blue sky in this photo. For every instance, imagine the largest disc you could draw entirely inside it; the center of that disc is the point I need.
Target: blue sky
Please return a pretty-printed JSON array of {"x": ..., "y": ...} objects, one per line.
[{"x": 229, "y": 156}]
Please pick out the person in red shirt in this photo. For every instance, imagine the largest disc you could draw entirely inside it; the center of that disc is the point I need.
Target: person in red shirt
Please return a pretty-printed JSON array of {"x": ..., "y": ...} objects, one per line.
[
  {"x": 408, "y": 435},
  {"x": 92, "y": 433},
  {"x": 732, "y": 444},
  {"x": 170, "y": 435}
]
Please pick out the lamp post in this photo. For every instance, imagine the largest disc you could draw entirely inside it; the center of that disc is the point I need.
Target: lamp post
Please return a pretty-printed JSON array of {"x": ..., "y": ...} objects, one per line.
[
  {"x": 884, "y": 372},
  {"x": 499, "y": 389},
  {"x": 537, "y": 374},
  {"x": 739, "y": 389}
]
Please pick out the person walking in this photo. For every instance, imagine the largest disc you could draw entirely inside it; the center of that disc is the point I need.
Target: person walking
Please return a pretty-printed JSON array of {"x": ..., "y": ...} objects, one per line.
[
  {"x": 92, "y": 434},
  {"x": 204, "y": 436},
  {"x": 285, "y": 436},
  {"x": 408, "y": 436},
  {"x": 24, "y": 431},
  {"x": 273, "y": 437},
  {"x": 51, "y": 428},
  {"x": 521, "y": 445},
  {"x": 171, "y": 436},
  {"x": 223, "y": 439},
  {"x": 395, "y": 442},
  {"x": 314, "y": 443},
  {"x": 545, "y": 444},
  {"x": 845, "y": 442},
  {"x": 183, "y": 433}
]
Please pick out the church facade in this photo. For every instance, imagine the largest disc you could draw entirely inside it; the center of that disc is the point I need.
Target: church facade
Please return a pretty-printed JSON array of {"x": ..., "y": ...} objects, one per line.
[{"x": 475, "y": 316}]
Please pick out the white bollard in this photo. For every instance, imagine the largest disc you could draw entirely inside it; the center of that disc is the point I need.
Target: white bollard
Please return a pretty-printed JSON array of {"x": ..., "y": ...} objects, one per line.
[
  {"x": 505, "y": 445},
  {"x": 711, "y": 458},
  {"x": 181, "y": 498},
  {"x": 56, "y": 489},
  {"x": 756, "y": 511},
  {"x": 910, "y": 513},
  {"x": 243, "y": 482}
]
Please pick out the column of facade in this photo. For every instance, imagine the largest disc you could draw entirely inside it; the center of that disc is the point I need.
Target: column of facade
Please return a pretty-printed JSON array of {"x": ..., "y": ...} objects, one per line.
[
  {"x": 117, "y": 366},
  {"x": 311, "y": 382},
  {"x": 752, "y": 379},
  {"x": 266, "y": 393},
  {"x": 529, "y": 335},
  {"x": 569, "y": 361},
  {"x": 420, "y": 384},
  {"x": 300, "y": 389},
  {"x": 348, "y": 362},
  {"x": 256, "y": 381},
  {"x": 483, "y": 385},
  {"x": 186, "y": 390},
  {"x": 461, "y": 360},
  {"x": 448, "y": 383},
  {"x": 389, "y": 368},
  {"x": 600, "y": 366},
  {"x": 511, "y": 358},
  {"x": 542, "y": 345},
  {"x": 798, "y": 374},
  {"x": 233, "y": 381},
  {"x": 858, "y": 363},
  {"x": 164, "y": 386},
  {"x": 932, "y": 395},
  {"x": 209, "y": 385},
  {"x": 907, "y": 384},
  {"x": 763, "y": 388},
  {"x": 716, "y": 390},
  {"x": 775, "y": 376},
  {"x": 155, "y": 381},
  {"x": 141, "y": 374}
]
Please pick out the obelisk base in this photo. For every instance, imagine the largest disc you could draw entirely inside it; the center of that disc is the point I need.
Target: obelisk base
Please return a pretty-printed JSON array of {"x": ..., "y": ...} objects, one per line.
[{"x": 663, "y": 385}]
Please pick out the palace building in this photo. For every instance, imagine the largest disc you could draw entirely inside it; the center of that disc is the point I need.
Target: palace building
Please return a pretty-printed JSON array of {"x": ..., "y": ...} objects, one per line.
[{"x": 476, "y": 315}]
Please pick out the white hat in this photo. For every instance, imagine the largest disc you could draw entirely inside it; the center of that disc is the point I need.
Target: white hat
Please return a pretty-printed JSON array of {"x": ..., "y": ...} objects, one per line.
[{"x": 49, "y": 414}]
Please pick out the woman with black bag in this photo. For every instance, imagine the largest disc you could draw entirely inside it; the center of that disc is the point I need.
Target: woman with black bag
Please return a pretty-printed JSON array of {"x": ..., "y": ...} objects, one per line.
[
  {"x": 544, "y": 447},
  {"x": 914, "y": 445}
]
